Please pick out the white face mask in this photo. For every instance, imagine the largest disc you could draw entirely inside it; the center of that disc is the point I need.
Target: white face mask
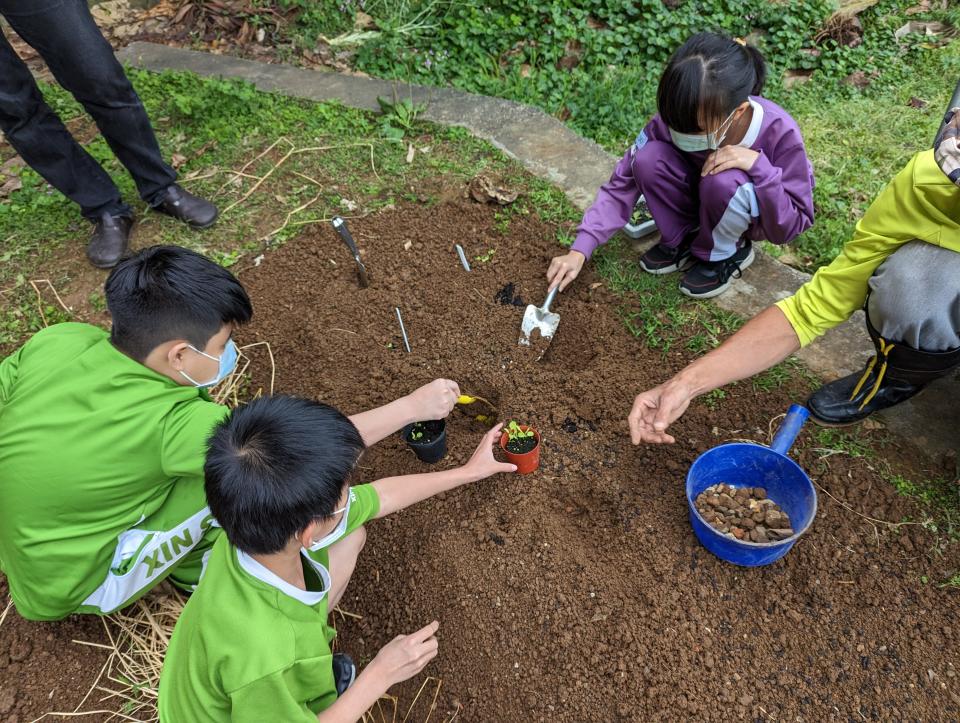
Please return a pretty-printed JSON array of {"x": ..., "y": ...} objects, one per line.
[
  {"x": 696, "y": 142},
  {"x": 337, "y": 531}
]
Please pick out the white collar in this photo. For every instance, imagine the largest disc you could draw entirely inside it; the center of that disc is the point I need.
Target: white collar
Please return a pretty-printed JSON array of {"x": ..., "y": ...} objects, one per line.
[
  {"x": 753, "y": 132},
  {"x": 263, "y": 574}
]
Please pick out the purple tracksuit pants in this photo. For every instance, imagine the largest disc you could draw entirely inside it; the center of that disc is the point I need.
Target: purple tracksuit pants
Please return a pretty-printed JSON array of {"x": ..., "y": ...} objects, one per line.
[{"x": 715, "y": 214}]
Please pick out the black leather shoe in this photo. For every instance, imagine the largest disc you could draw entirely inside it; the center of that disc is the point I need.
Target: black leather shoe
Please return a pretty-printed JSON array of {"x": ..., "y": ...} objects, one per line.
[
  {"x": 835, "y": 404},
  {"x": 108, "y": 244},
  {"x": 344, "y": 672},
  {"x": 184, "y": 206}
]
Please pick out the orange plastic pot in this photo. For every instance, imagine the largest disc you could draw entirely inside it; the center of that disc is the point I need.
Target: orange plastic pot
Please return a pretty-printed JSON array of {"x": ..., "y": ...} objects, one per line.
[{"x": 528, "y": 461}]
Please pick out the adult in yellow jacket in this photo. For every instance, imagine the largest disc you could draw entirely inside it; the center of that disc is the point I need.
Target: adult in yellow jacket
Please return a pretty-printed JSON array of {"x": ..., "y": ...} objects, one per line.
[{"x": 902, "y": 266}]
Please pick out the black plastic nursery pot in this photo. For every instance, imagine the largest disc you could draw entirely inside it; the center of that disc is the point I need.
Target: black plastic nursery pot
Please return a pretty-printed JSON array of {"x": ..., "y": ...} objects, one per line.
[{"x": 431, "y": 446}]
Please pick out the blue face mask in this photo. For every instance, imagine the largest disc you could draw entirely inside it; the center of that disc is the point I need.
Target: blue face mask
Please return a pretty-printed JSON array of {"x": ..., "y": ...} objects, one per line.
[
  {"x": 227, "y": 362},
  {"x": 696, "y": 142}
]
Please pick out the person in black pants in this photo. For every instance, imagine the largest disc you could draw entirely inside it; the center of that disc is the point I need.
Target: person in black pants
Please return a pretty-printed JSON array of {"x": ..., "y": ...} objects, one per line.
[{"x": 65, "y": 35}]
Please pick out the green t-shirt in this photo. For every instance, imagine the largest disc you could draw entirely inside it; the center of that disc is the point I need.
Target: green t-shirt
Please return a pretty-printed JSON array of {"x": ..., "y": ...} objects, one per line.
[
  {"x": 249, "y": 647},
  {"x": 91, "y": 443}
]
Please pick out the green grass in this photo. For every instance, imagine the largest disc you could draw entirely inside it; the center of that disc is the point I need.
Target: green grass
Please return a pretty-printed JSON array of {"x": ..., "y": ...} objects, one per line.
[
  {"x": 857, "y": 139},
  {"x": 219, "y": 125},
  {"x": 939, "y": 498},
  {"x": 657, "y": 312},
  {"x": 830, "y": 440}
]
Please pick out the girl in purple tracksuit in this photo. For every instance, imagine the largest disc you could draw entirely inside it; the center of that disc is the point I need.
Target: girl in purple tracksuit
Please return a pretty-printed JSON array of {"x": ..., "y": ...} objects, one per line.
[{"x": 719, "y": 167}]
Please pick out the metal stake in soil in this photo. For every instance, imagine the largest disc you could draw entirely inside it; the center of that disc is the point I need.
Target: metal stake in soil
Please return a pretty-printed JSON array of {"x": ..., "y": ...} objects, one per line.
[
  {"x": 463, "y": 257},
  {"x": 406, "y": 342}
]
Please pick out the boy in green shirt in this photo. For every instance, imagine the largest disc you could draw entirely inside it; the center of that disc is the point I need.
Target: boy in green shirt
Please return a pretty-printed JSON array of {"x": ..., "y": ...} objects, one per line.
[
  {"x": 102, "y": 438},
  {"x": 253, "y": 642}
]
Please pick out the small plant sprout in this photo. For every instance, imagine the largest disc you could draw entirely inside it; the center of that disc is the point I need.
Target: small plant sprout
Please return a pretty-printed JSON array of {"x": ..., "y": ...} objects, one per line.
[
  {"x": 486, "y": 257},
  {"x": 514, "y": 431}
]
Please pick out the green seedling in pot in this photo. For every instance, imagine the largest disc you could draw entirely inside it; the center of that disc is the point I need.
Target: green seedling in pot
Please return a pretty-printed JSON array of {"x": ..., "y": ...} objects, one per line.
[
  {"x": 514, "y": 431},
  {"x": 416, "y": 434}
]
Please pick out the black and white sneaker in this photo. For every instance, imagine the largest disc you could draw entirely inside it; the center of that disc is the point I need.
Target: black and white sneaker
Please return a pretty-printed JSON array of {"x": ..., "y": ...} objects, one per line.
[
  {"x": 662, "y": 259},
  {"x": 344, "y": 672},
  {"x": 711, "y": 278}
]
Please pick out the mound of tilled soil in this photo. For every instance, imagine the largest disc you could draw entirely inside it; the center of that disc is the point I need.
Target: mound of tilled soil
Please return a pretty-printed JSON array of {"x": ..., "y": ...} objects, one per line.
[{"x": 577, "y": 593}]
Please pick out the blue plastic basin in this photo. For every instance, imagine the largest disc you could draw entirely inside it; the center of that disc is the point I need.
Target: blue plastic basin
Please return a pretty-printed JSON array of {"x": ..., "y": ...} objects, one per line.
[{"x": 752, "y": 465}]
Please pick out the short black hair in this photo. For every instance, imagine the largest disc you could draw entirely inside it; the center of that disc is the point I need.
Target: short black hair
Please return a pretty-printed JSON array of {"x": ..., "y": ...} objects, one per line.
[
  {"x": 707, "y": 77},
  {"x": 276, "y": 465},
  {"x": 167, "y": 292}
]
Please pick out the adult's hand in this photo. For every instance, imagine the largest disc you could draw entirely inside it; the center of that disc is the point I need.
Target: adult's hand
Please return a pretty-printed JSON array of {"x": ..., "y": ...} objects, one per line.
[
  {"x": 655, "y": 410},
  {"x": 564, "y": 269}
]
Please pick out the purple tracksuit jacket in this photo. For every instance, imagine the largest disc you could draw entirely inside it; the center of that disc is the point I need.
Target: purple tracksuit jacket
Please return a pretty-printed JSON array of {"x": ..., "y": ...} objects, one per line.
[{"x": 716, "y": 214}]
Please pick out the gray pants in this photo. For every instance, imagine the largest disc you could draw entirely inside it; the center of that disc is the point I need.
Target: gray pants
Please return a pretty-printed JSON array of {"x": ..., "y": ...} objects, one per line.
[{"x": 915, "y": 297}]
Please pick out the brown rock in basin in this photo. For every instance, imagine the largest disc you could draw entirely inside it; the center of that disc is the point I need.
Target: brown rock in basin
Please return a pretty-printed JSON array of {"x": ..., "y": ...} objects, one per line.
[{"x": 743, "y": 513}]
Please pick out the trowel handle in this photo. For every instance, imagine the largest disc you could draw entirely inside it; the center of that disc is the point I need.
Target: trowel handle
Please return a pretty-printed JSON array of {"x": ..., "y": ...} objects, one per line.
[
  {"x": 789, "y": 428},
  {"x": 341, "y": 226},
  {"x": 550, "y": 297}
]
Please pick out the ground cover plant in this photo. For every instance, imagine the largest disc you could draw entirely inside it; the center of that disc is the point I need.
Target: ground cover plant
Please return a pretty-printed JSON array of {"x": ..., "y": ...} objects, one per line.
[
  {"x": 560, "y": 587},
  {"x": 866, "y": 88}
]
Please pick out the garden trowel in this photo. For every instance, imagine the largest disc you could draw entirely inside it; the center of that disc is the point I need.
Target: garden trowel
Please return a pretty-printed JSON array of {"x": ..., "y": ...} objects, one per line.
[
  {"x": 539, "y": 318},
  {"x": 341, "y": 227}
]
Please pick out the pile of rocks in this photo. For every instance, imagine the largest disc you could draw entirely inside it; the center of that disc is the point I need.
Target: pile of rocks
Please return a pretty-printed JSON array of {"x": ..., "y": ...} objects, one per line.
[{"x": 744, "y": 513}]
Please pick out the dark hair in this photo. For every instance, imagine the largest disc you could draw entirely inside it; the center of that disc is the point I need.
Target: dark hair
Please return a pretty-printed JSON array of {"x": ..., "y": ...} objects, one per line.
[
  {"x": 274, "y": 466},
  {"x": 707, "y": 77},
  {"x": 167, "y": 292}
]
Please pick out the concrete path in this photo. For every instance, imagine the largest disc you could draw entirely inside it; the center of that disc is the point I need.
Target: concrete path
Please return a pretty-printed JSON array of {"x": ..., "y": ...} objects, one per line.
[{"x": 551, "y": 150}]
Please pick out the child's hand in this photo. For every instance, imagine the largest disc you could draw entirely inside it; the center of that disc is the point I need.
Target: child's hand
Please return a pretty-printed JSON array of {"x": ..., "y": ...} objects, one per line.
[
  {"x": 434, "y": 400},
  {"x": 406, "y": 655},
  {"x": 564, "y": 269},
  {"x": 727, "y": 157},
  {"x": 483, "y": 464}
]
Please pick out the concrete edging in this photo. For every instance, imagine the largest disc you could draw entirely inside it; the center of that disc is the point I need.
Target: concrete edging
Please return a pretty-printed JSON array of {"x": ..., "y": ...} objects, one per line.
[{"x": 552, "y": 151}]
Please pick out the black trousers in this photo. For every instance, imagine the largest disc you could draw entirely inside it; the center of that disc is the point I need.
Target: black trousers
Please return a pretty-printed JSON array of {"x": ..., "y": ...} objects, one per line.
[{"x": 65, "y": 35}]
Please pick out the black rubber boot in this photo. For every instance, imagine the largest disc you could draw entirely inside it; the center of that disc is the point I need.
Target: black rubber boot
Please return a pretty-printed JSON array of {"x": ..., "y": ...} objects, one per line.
[
  {"x": 344, "y": 672},
  {"x": 895, "y": 373}
]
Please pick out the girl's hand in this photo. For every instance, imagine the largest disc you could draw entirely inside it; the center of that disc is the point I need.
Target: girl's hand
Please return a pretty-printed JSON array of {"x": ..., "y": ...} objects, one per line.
[
  {"x": 723, "y": 159},
  {"x": 564, "y": 269},
  {"x": 483, "y": 464}
]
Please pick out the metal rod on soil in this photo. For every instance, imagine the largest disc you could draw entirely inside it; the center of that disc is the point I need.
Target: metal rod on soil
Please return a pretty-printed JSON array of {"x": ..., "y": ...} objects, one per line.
[
  {"x": 463, "y": 257},
  {"x": 406, "y": 341}
]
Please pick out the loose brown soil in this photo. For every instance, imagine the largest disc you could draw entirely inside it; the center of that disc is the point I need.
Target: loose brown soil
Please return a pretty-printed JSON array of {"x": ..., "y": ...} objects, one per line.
[
  {"x": 577, "y": 593},
  {"x": 41, "y": 669}
]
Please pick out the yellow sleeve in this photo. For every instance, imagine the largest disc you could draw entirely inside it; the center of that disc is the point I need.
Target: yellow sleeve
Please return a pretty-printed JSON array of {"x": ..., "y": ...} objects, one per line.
[{"x": 912, "y": 206}]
